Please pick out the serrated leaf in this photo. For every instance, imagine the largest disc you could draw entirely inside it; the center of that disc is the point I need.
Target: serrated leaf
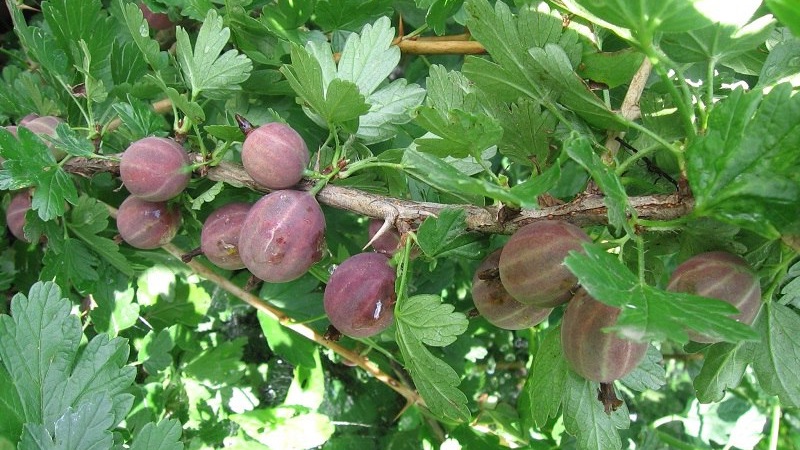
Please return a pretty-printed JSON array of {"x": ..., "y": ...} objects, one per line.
[
  {"x": 431, "y": 321},
  {"x": 527, "y": 131},
  {"x": 723, "y": 367},
  {"x": 30, "y": 163},
  {"x": 87, "y": 219},
  {"x": 85, "y": 21},
  {"x": 68, "y": 140},
  {"x": 547, "y": 378},
  {"x": 208, "y": 195},
  {"x": 742, "y": 170},
  {"x": 140, "y": 32},
  {"x": 424, "y": 319},
  {"x": 585, "y": 418},
  {"x": 154, "y": 350},
  {"x": 40, "y": 352},
  {"x": 165, "y": 435},
  {"x": 776, "y": 356},
  {"x": 459, "y": 133},
  {"x": 534, "y": 57},
  {"x": 138, "y": 119},
  {"x": 115, "y": 310},
  {"x": 649, "y": 374},
  {"x": 389, "y": 106},
  {"x": 75, "y": 265},
  {"x": 615, "y": 198},
  {"x": 440, "y": 175},
  {"x": 40, "y": 46},
  {"x": 127, "y": 63},
  {"x": 338, "y": 102},
  {"x": 85, "y": 427},
  {"x": 205, "y": 69},
  {"x": 649, "y": 313},
  {"x": 369, "y": 57}
]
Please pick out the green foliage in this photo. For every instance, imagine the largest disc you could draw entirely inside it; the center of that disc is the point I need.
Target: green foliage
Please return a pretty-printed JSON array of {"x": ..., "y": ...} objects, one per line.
[{"x": 106, "y": 346}]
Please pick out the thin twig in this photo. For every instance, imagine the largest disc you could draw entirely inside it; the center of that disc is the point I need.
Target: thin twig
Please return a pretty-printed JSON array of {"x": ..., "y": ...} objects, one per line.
[
  {"x": 198, "y": 268},
  {"x": 630, "y": 107}
]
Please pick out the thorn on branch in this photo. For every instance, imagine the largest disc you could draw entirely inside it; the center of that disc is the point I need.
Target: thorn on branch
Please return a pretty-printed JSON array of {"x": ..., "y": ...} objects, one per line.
[{"x": 651, "y": 166}]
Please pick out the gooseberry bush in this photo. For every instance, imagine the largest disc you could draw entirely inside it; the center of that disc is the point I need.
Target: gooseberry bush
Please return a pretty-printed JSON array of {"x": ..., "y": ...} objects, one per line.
[{"x": 405, "y": 224}]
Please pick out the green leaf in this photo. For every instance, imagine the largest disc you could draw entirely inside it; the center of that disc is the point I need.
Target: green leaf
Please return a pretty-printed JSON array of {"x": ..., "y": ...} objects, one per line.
[
  {"x": 390, "y": 106},
  {"x": 439, "y": 12},
  {"x": 75, "y": 265},
  {"x": 423, "y": 318},
  {"x": 584, "y": 416},
  {"x": 645, "y": 18},
  {"x": 52, "y": 377},
  {"x": 68, "y": 140},
  {"x": 298, "y": 350},
  {"x": 616, "y": 200},
  {"x": 446, "y": 178},
  {"x": 87, "y": 219},
  {"x": 649, "y": 313},
  {"x": 787, "y": 12},
  {"x": 527, "y": 131},
  {"x": 724, "y": 365},
  {"x": 154, "y": 350},
  {"x": 649, "y": 374},
  {"x": 538, "y": 184},
  {"x": 138, "y": 119},
  {"x": 115, "y": 310},
  {"x": 458, "y": 134},
  {"x": 40, "y": 46},
  {"x": 717, "y": 42},
  {"x": 86, "y": 426},
  {"x": 140, "y": 32},
  {"x": 165, "y": 435},
  {"x": 612, "y": 68},
  {"x": 782, "y": 65},
  {"x": 776, "y": 356},
  {"x": 547, "y": 378},
  {"x": 369, "y": 57},
  {"x": 337, "y": 102},
  {"x": 205, "y": 69},
  {"x": 447, "y": 235},
  {"x": 431, "y": 321},
  {"x": 11, "y": 407},
  {"x": 221, "y": 364},
  {"x": 30, "y": 163},
  {"x": 128, "y": 65},
  {"x": 86, "y": 21},
  {"x": 284, "y": 427},
  {"x": 555, "y": 66},
  {"x": 349, "y": 15},
  {"x": 742, "y": 170}
]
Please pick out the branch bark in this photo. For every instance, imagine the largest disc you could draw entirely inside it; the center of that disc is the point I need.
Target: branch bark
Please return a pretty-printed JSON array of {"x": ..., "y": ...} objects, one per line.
[{"x": 583, "y": 211}]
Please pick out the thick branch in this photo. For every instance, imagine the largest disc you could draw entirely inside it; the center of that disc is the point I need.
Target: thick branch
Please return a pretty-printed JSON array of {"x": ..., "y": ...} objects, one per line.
[{"x": 583, "y": 211}]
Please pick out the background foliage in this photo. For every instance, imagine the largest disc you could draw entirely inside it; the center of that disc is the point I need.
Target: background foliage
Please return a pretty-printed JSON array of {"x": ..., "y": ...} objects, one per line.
[{"x": 103, "y": 346}]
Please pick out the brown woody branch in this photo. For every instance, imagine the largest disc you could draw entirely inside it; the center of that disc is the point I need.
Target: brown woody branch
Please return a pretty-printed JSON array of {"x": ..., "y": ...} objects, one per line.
[
  {"x": 583, "y": 211},
  {"x": 411, "y": 396}
]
